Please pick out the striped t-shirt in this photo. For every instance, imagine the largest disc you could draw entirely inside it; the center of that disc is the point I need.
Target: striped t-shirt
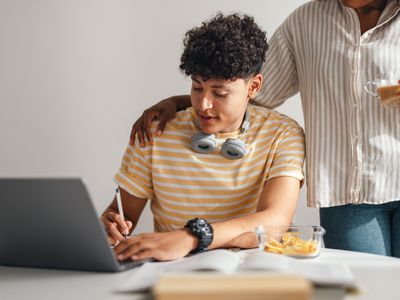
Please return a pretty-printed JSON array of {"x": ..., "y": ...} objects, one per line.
[
  {"x": 183, "y": 184},
  {"x": 352, "y": 141}
]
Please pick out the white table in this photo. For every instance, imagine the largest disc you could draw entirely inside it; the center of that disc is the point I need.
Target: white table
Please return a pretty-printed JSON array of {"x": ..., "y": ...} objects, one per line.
[{"x": 378, "y": 278}]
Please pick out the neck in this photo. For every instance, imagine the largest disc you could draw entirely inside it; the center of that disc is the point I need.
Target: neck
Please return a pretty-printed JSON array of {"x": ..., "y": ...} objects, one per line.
[
  {"x": 368, "y": 12},
  {"x": 377, "y": 5},
  {"x": 365, "y": 5}
]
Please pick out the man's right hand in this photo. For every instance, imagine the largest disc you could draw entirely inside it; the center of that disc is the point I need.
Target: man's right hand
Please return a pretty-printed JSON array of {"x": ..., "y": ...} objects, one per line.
[
  {"x": 116, "y": 227},
  {"x": 164, "y": 111}
]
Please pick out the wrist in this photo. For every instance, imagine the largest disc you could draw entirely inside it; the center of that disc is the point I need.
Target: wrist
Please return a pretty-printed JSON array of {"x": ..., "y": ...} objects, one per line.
[
  {"x": 181, "y": 102},
  {"x": 171, "y": 101},
  {"x": 202, "y": 231},
  {"x": 191, "y": 240}
]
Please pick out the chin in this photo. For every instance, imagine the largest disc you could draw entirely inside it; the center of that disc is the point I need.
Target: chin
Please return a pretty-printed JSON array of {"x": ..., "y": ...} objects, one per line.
[
  {"x": 356, "y": 3},
  {"x": 208, "y": 129}
]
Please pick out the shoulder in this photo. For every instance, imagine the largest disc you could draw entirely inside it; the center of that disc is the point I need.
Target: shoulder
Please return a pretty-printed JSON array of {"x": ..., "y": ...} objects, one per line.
[
  {"x": 264, "y": 117},
  {"x": 177, "y": 133},
  {"x": 314, "y": 6},
  {"x": 182, "y": 122},
  {"x": 309, "y": 12}
]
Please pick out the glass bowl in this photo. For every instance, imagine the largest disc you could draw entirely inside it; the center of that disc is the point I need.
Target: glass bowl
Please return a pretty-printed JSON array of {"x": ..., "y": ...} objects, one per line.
[{"x": 295, "y": 241}]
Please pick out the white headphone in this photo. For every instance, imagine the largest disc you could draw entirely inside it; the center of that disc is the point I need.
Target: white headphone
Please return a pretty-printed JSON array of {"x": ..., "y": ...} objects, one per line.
[{"x": 231, "y": 148}]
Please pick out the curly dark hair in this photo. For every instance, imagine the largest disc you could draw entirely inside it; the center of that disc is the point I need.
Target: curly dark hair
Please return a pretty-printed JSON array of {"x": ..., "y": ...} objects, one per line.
[{"x": 225, "y": 47}]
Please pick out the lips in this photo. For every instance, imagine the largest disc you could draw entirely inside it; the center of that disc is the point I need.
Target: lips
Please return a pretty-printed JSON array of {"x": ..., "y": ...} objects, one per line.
[{"x": 206, "y": 119}]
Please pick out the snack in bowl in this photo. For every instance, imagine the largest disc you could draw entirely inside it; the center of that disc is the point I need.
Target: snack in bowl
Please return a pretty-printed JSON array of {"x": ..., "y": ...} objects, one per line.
[{"x": 295, "y": 241}]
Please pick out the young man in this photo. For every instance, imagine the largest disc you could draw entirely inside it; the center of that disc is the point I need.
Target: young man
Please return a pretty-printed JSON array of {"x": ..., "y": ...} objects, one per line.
[{"x": 223, "y": 166}]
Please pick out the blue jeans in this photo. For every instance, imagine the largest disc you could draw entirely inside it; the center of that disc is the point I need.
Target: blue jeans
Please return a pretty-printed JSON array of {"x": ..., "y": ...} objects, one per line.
[{"x": 363, "y": 227}]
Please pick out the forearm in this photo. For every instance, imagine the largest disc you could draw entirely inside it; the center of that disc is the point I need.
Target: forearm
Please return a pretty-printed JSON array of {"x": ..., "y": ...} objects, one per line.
[
  {"x": 240, "y": 232},
  {"x": 276, "y": 207},
  {"x": 182, "y": 101},
  {"x": 132, "y": 207}
]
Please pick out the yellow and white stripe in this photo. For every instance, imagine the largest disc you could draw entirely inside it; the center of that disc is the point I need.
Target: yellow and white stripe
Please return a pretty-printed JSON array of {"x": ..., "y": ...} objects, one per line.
[{"x": 183, "y": 184}]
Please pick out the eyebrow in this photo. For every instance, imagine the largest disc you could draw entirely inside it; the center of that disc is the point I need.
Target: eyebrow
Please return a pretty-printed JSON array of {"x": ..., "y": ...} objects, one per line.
[{"x": 216, "y": 86}]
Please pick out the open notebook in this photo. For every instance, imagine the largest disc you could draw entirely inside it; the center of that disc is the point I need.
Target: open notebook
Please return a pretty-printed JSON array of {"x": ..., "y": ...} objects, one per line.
[{"x": 229, "y": 262}]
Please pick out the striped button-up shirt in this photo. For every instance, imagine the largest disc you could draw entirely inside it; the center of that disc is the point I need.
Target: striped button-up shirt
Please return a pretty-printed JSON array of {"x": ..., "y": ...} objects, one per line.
[{"x": 352, "y": 141}]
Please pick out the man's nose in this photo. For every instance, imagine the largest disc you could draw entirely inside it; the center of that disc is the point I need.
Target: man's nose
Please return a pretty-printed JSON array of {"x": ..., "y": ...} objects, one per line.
[{"x": 205, "y": 103}]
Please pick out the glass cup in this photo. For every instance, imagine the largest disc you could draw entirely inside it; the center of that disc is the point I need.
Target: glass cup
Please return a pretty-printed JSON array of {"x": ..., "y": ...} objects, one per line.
[
  {"x": 386, "y": 88},
  {"x": 295, "y": 241}
]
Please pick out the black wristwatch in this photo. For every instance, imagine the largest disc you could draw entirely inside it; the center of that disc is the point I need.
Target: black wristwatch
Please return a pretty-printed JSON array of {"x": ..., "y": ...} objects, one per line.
[{"x": 201, "y": 229}]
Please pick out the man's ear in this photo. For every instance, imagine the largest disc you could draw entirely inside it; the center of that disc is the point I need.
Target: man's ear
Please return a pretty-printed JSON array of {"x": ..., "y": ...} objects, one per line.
[{"x": 255, "y": 85}]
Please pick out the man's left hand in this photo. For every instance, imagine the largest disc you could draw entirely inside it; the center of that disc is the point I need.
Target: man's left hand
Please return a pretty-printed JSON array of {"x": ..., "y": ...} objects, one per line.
[{"x": 159, "y": 245}]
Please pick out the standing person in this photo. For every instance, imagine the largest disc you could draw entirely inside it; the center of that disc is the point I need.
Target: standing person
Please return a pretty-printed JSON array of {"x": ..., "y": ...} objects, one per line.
[
  {"x": 327, "y": 50},
  {"x": 222, "y": 167}
]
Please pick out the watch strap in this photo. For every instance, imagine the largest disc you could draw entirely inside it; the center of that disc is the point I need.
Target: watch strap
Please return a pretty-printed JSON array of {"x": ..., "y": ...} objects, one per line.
[{"x": 201, "y": 229}]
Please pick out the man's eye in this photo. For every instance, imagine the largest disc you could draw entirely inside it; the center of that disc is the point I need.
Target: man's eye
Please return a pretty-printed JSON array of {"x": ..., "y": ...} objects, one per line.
[
  {"x": 220, "y": 95},
  {"x": 197, "y": 89}
]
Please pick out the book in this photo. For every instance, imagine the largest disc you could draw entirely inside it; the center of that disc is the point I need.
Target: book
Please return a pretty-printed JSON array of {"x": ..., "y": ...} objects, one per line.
[
  {"x": 238, "y": 286},
  {"x": 227, "y": 262}
]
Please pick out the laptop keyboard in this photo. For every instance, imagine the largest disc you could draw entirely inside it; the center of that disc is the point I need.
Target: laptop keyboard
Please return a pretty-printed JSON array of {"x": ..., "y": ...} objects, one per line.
[{"x": 128, "y": 264}]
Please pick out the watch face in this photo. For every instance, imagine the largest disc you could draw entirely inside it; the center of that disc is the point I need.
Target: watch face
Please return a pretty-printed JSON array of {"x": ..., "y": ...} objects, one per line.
[{"x": 202, "y": 230}]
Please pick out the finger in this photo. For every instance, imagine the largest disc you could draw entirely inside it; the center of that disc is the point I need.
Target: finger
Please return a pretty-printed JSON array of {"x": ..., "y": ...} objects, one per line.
[
  {"x": 148, "y": 253},
  {"x": 111, "y": 241},
  {"x": 166, "y": 115},
  {"x": 125, "y": 244},
  {"x": 113, "y": 231},
  {"x": 135, "y": 249},
  {"x": 129, "y": 224},
  {"x": 164, "y": 119},
  {"x": 133, "y": 133},
  {"x": 161, "y": 125},
  {"x": 148, "y": 119},
  {"x": 117, "y": 219},
  {"x": 139, "y": 131},
  {"x": 121, "y": 224},
  {"x": 107, "y": 224}
]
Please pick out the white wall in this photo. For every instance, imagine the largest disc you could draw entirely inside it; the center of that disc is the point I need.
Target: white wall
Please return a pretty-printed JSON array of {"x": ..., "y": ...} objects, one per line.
[{"x": 74, "y": 75}]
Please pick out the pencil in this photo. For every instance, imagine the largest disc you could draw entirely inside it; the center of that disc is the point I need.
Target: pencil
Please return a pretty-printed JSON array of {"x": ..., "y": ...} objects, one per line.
[{"x": 120, "y": 209}]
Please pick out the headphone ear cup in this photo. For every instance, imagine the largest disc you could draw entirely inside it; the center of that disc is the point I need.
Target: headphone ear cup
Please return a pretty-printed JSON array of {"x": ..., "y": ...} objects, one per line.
[
  {"x": 203, "y": 143},
  {"x": 233, "y": 149}
]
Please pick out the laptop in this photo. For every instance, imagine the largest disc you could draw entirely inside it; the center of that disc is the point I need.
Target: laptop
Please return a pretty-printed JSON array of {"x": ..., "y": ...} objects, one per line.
[{"x": 52, "y": 223}]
